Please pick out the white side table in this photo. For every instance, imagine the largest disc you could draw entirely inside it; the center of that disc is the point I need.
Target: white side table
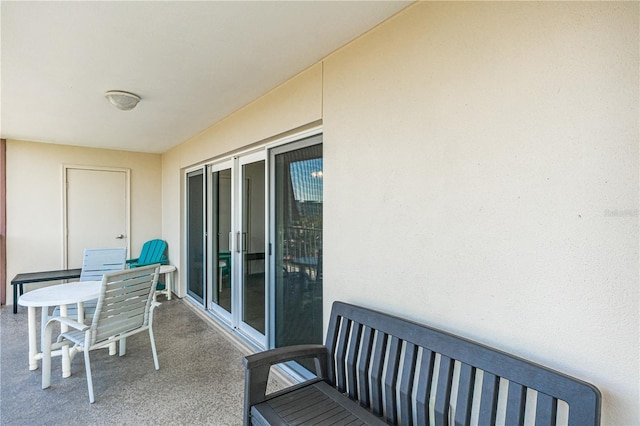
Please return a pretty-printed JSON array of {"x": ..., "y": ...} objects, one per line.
[
  {"x": 56, "y": 295},
  {"x": 168, "y": 271}
]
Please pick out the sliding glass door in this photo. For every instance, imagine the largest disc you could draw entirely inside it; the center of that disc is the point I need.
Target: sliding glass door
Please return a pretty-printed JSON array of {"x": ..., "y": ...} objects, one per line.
[
  {"x": 297, "y": 194},
  {"x": 254, "y": 242},
  {"x": 220, "y": 239},
  {"x": 237, "y": 243},
  {"x": 252, "y": 245},
  {"x": 195, "y": 216}
]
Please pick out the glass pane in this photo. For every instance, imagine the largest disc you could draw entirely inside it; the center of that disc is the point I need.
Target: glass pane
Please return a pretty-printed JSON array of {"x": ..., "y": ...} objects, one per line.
[
  {"x": 253, "y": 242},
  {"x": 298, "y": 248},
  {"x": 195, "y": 235},
  {"x": 222, "y": 229}
]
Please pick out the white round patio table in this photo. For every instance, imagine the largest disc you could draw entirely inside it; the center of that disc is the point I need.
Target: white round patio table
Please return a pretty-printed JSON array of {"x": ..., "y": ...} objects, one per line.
[{"x": 56, "y": 295}]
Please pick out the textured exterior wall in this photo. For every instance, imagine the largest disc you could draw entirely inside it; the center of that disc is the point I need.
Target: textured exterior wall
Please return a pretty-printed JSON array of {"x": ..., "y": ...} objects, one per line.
[
  {"x": 481, "y": 175},
  {"x": 296, "y": 103}
]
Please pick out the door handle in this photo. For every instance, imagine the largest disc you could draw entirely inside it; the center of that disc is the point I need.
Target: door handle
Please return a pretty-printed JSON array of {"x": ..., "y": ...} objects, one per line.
[{"x": 120, "y": 237}]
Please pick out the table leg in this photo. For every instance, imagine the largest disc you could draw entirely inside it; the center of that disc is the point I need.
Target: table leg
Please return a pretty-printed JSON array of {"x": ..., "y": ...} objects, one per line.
[
  {"x": 168, "y": 286},
  {"x": 66, "y": 360},
  {"x": 33, "y": 341},
  {"x": 15, "y": 298}
]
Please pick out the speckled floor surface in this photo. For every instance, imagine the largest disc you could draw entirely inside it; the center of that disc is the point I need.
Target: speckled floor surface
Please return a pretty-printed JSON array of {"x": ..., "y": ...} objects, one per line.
[{"x": 200, "y": 381}]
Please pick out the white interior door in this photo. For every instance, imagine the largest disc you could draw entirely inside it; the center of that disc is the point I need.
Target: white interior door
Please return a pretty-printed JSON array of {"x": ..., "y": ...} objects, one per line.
[{"x": 96, "y": 211}]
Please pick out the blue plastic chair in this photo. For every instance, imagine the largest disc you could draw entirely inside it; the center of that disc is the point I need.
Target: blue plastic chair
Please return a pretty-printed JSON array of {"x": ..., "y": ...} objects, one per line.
[{"x": 152, "y": 252}]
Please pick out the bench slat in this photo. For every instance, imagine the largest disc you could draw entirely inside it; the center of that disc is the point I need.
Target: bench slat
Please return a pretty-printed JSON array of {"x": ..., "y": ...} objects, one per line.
[
  {"x": 406, "y": 383},
  {"x": 290, "y": 407},
  {"x": 312, "y": 411},
  {"x": 330, "y": 416},
  {"x": 341, "y": 354},
  {"x": 331, "y": 342},
  {"x": 391, "y": 379},
  {"x": 443, "y": 391},
  {"x": 489, "y": 399},
  {"x": 465, "y": 395},
  {"x": 546, "y": 410},
  {"x": 516, "y": 398},
  {"x": 379, "y": 353},
  {"x": 363, "y": 369},
  {"x": 352, "y": 358},
  {"x": 423, "y": 392},
  {"x": 338, "y": 416}
]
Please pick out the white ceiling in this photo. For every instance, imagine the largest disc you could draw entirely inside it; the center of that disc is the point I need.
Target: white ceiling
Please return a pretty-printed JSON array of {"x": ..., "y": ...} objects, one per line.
[{"x": 193, "y": 63}]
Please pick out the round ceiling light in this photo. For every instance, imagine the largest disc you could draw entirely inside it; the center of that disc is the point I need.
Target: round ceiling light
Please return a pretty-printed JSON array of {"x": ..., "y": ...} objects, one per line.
[{"x": 124, "y": 101}]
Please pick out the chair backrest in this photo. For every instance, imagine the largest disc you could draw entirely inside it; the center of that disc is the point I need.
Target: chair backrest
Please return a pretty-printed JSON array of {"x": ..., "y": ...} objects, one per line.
[
  {"x": 153, "y": 252},
  {"x": 97, "y": 262},
  {"x": 124, "y": 302}
]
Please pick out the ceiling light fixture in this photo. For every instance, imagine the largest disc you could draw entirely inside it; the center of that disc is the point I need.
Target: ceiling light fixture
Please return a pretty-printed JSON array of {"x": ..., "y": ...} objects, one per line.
[{"x": 124, "y": 101}]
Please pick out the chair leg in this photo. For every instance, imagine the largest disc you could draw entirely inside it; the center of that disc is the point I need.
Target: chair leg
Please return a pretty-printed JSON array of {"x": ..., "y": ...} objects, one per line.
[
  {"x": 87, "y": 366},
  {"x": 153, "y": 349},
  {"x": 123, "y": 346}
]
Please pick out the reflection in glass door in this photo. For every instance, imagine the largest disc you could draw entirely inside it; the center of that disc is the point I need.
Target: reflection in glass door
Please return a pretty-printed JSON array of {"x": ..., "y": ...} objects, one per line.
[
  {"x": 297, "y": 232},
  {"x": 221, "y": 225},
  {"x": 195, "y": 235}
]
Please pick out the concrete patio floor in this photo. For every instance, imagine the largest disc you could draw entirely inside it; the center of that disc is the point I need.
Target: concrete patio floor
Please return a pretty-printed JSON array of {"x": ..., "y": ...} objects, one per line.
[{"x": 200, "y": 380}]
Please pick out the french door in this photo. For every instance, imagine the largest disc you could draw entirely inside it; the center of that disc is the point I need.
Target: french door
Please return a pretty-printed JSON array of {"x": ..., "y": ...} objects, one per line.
[{"x": 236, "y": 243}]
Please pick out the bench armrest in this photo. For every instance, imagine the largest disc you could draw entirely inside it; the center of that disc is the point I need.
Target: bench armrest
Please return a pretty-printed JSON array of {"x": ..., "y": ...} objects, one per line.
[
  {"x": 284, "y": 354},
  {"x": 259, "y": 364}
]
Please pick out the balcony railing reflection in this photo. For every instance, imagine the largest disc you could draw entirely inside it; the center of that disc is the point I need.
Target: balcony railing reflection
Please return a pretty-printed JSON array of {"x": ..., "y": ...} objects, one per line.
[{"x": 302, "y": 251}]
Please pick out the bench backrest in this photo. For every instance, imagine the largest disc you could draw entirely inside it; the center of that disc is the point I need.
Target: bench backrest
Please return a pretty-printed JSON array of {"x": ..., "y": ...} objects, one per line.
[{"x": 413, "y": 374}]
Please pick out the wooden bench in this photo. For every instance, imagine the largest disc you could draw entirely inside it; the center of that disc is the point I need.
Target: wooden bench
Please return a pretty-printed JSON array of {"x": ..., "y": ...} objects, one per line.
[{"x": 380, "y": 369}]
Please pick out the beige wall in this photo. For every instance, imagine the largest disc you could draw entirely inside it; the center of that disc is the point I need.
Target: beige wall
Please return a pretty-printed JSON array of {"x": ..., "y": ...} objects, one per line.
[
  {"x": 294, "y": 104},
  {"x": 35, "y": 200},
  {"x": 481, "y": 175},
  {"x": 476, "y": 155}
]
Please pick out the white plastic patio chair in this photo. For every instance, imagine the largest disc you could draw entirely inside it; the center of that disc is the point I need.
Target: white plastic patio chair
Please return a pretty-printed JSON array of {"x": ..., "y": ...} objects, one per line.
[
  {"x": 125, "y": 307},
  {"x": 95, "y": 263}
]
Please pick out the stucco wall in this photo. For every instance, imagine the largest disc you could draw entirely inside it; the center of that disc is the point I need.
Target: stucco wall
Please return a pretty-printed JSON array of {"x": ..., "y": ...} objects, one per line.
[
  {"x": 296, "y": 103},
  {"x": 481, "y": 175},
  {"x": 35, "y": 198}
]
